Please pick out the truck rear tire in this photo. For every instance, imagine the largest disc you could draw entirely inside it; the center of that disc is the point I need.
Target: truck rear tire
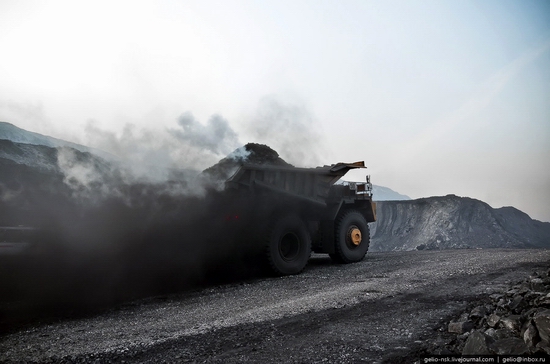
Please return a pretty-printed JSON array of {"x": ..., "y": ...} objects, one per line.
[
  {"x": 352, "y": 237},
  {"x": 288, "y": 245}
]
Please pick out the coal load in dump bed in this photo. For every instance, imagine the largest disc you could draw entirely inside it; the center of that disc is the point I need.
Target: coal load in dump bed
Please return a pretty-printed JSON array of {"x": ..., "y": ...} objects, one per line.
[{"x": 252, "y": 153}]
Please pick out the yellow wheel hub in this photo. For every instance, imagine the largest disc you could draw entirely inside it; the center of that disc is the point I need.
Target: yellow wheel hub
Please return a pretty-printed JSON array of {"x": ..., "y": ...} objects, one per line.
[{"x": 355, "y": 236}]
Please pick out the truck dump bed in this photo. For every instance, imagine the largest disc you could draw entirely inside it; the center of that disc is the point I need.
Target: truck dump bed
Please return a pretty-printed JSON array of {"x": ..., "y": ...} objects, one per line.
[{"x": 312, "y": 184}]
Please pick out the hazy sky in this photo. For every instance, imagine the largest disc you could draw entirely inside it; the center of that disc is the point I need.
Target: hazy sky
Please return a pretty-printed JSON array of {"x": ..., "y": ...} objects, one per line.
[{"x": 437, "y": 97}]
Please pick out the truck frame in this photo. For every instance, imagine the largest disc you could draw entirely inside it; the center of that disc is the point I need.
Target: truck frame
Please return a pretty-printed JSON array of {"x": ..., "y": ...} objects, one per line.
[{"x": 294, "y": 211}]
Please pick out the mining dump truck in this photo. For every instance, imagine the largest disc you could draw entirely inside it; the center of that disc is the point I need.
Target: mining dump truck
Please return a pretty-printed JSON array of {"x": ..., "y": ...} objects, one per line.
[{"x": 293, "y": 211}]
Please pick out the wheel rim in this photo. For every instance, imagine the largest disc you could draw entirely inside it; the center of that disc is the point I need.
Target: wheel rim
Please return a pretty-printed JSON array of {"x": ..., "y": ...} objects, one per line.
[
  {"x": 354, "y": 236},
  {"x": 289, "y": 246}
]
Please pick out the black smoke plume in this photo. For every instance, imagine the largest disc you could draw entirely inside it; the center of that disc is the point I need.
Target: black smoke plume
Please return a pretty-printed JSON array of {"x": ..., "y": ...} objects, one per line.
[{"x": 102, "y": 235}]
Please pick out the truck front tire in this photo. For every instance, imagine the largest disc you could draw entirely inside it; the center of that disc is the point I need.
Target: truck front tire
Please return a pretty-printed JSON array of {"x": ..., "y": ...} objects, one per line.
[
  {"x": 288, "y": 245},
  {"x": 352, "y": 237}
]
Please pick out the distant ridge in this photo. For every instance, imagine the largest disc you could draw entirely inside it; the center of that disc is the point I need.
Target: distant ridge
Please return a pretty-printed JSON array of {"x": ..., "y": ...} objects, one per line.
[
  {"x": 17, "y": 135},
  {"x": 381, "y": 193}
]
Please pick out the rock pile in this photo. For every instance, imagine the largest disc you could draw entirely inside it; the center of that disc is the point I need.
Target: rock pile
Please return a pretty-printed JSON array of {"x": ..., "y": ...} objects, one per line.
[
  {"x": 453, "y": 222},
  {"x": 515, "y": 322}
]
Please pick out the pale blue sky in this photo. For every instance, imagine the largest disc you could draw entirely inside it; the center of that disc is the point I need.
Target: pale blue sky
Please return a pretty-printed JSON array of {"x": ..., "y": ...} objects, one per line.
[{"x": 437, "y": 97}]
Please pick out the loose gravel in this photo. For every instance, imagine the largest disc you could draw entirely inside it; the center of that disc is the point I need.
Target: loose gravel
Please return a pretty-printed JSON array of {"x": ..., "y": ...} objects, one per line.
[{"x": 379, "y": 309}]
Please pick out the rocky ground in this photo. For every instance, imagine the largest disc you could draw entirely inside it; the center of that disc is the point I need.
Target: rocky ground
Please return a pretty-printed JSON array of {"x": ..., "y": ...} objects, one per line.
[
  {"x": 391, "y": 307},
  {"x": 512, "y": 322}
]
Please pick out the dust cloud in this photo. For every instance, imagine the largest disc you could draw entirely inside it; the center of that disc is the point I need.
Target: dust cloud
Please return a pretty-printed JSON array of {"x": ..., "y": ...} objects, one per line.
[
  {"x": 290, "y": 128},
  {"x": 127, "y": 226},
  {"x": 144, "y": 212}
]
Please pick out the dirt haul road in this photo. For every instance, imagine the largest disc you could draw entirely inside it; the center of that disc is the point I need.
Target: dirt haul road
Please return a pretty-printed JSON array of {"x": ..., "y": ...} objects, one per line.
[{"x": 386, "y": 307}]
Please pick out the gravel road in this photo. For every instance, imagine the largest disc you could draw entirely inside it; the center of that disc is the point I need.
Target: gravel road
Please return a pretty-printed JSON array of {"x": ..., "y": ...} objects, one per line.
[{"x": 381, "y": 309}]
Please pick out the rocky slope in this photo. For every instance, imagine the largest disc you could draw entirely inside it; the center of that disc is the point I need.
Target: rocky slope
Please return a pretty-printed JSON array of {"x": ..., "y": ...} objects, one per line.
[
  {"x": 37, "y": 181},
  {"x": 452, "y": 222}
]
